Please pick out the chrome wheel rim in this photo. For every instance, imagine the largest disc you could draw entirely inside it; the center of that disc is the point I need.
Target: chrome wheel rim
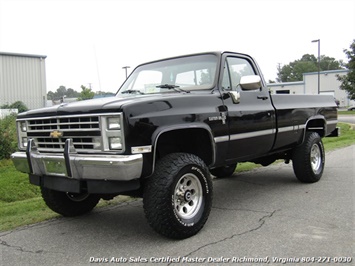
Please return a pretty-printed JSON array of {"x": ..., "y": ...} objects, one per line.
[
  {"x": 316, "y": 158},
  {"x": 188, "y": 196}
]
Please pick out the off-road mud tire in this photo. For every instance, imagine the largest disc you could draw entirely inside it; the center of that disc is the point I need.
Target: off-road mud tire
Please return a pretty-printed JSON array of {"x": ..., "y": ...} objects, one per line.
[
  {"x": 178, "y": 197},
  {"x": 69, "y": 204},
  {"x": 308, "y": 159}
]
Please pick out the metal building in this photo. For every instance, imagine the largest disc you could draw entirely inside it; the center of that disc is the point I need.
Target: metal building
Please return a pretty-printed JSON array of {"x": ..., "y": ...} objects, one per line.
[
  {"x": 23, "y": 78},
  {"x": 329, "y": 84}
]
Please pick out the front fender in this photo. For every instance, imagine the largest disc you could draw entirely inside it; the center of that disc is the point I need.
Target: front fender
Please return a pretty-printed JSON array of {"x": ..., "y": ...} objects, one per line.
[{"x": 182, "y": 130}]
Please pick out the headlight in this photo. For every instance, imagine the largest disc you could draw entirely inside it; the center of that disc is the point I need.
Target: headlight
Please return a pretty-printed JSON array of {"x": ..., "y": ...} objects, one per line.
[
  {"x": 23, "y": 126},
  {"x": 115, "y": 143},
  {"x": 112, "y": 127},
  {"x": 24, "y": 142},
  {"x": 22, "y": 134},
  {"x": 113, "y": 123}
]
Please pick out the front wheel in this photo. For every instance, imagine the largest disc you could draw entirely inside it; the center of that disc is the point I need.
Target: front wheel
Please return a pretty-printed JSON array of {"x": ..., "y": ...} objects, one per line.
[
  {"x": 69, "y": 204},
  {"x": 308, "y": 159},
  {"x": 178, "y": 197}
]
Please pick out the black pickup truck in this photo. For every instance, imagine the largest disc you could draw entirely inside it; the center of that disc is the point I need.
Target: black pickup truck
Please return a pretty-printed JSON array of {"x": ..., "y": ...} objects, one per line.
[{"x": 172, "y": 124}]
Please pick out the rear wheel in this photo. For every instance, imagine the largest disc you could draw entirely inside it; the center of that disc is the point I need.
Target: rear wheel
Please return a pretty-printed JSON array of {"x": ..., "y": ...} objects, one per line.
[
  {"x": 178, "y": 197},
  {"x": 308, "y": 159},
  {"x": 224, "y": 171},
  {"x": 69, "y": 204}
]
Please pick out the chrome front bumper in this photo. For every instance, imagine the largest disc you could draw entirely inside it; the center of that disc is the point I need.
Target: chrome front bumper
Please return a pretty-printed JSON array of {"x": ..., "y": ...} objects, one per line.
[{"x": 78, "y": 166}]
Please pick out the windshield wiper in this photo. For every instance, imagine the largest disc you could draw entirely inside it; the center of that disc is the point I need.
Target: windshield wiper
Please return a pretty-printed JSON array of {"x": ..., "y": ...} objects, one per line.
[
  {"x": 133, "y": 91},
  {"x": 170, "y": 86}
]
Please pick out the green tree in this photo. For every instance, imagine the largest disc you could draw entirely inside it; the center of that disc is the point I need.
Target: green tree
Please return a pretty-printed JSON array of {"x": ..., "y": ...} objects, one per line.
[
  {"x": 50, "y": 95},
  {"x": 86, "y": 93},
  {"x": 8, "y": 137},
  {"x": 205, "y": 77},
  {"x": 20, "y": 106},
  {"x": 72, "y": 93},
  {"x": 61, "y": 92},
  {"x": 308, "y": 63},
  {"x": 104, "y": 94},
  {"x": 348, "y": 81}
]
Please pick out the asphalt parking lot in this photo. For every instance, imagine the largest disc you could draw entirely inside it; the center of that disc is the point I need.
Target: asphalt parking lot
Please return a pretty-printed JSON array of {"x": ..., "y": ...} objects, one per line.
[
  {"x": 258, "y": 217},
  {"x": 347, "y": 119}
]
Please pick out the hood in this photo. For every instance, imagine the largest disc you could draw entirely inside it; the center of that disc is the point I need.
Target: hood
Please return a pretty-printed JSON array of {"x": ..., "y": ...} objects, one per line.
[{"x": 101, "y": 105}]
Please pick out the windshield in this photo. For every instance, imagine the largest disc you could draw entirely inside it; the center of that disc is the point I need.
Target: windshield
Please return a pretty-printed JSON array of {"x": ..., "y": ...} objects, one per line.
[{"x": 178, "y": 74}]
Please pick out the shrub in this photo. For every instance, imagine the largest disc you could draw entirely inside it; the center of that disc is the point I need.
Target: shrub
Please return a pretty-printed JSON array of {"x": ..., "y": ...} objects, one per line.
[
  {"x": 8, "y": 137},
  {"x": 20, "y": 106}
]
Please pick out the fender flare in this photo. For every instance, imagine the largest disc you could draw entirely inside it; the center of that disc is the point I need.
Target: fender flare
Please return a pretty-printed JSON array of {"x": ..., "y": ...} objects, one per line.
[
  {"x": 315, "y": 118},
  {"x": 164, "y": 129}
]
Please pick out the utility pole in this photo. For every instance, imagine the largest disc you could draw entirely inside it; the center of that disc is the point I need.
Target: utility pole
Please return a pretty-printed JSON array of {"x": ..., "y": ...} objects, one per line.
[
  {"x": 125, "y": 68},
  {"x": 318, "y": 41},
  {"x": 278, "y": 79}
]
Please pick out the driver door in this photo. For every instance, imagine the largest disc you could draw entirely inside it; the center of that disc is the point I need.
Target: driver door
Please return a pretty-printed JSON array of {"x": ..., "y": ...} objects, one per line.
[{"x": 250, "y": 118}]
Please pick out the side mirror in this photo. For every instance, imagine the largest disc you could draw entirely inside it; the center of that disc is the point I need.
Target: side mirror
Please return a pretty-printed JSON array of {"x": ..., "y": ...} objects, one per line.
[{"x": 252, "y": 82}]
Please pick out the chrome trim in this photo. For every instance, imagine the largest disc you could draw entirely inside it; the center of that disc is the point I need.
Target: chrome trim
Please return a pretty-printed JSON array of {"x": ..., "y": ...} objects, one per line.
[
  {"x": 107, "y": 133},
  {"x": 291, "y": 128},
  {"x": 67, "y": 116},
  {"x": 221, "y": 139},
  {"x": 258, "y": 133},
  {"x": 78, "y": 166},
  {"x": 286, "y": 129},
  {"x": 252, "y": 134},
  {"x": 94, "y": 125}
]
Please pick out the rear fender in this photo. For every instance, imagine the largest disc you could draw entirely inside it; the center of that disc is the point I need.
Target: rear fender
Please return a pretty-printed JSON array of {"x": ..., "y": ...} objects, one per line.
[{"x": 316, "y": 124}]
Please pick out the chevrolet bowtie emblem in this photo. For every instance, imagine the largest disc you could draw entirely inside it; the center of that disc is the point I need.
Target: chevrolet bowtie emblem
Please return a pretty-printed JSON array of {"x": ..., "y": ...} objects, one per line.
[{"x": 56, "y": 134}]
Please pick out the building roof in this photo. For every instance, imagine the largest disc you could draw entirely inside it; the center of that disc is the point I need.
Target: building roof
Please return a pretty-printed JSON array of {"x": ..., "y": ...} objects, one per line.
[
  {"x": 327, "y": 72},
  {"x": 285, "y": 83},
  {"x": 23, "y": 55}
]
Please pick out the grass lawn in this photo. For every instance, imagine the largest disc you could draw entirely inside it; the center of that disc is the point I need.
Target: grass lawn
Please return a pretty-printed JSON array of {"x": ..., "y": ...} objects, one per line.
[
  {"x": 346, "y": 112},
  {"x": 21, "y": 203}
]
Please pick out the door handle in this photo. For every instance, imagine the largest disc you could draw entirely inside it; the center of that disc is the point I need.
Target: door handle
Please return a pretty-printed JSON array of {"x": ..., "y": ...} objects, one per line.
[{"x": 262, "y": 97}]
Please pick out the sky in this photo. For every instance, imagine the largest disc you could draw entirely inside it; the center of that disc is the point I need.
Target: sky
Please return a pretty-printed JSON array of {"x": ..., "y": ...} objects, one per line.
[{"x": 88, "y": 42}]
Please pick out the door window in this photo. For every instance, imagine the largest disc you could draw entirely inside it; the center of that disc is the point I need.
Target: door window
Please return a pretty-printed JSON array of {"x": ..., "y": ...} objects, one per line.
[{"x": 234, "y": 69}]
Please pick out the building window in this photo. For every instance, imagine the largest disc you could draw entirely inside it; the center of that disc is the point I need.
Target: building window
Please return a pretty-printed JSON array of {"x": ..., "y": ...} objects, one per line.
[{"x": 283, "y": 92}]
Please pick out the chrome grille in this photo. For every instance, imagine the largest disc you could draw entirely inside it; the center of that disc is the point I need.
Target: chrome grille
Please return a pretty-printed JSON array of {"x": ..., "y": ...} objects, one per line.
[{"x": 50, "y": 133}]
